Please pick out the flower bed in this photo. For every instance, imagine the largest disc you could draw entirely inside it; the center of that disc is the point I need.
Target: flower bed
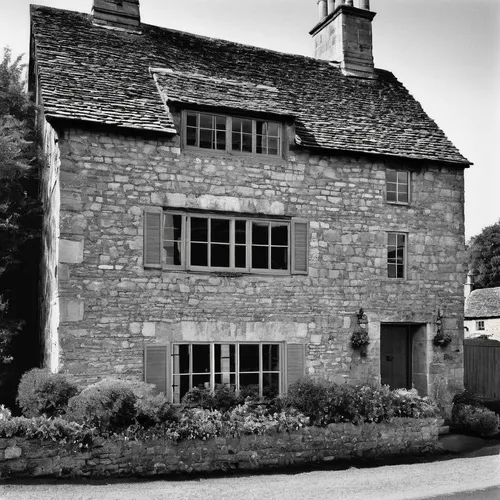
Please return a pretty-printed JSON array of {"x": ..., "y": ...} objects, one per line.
[{"x": 118, "y": 456}]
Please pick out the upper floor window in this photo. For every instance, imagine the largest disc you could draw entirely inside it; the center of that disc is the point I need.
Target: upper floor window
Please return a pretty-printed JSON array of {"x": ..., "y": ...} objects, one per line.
[
  {"x": 209, "y": 242},
  {"x": 396, "y": 255},
  {"x": 398, "y": 186},
  {"x": 232, "y": 134},
  {"x": 480, "y": 325}
]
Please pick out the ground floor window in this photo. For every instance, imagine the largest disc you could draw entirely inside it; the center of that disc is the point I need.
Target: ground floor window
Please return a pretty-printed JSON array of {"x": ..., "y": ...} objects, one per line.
[
  {"x": 480, "y": 325},
  {"x": 252, "y": 368}
]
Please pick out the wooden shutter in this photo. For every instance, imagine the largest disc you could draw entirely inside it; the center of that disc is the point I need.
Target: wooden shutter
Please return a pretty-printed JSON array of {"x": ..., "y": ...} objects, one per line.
[
  {"x": 152, "y": 237},
  {"x": 295, "y": 362},
  {"x": 300, "y": 246},
  {"x": 155, "y": 367}
]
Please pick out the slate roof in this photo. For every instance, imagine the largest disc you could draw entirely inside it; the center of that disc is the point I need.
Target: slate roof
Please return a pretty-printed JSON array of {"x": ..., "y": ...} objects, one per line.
[
  {"x": 91, "y": 73},
  {"x": 483, "y": 303}
]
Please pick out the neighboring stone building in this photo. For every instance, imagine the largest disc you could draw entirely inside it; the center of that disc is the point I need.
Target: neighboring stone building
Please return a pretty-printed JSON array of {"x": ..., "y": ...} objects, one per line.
[
  {"x": 482, "y": 312},
  {"x": 220, "y": 213}
]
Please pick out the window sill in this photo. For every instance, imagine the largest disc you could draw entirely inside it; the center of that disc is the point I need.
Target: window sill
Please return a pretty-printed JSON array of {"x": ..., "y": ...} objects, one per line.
[{"x": 398, "y": 203}]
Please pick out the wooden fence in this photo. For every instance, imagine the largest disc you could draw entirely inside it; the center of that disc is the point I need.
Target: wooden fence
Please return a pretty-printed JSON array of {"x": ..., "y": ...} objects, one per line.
[{"x": 482, "y": 367}]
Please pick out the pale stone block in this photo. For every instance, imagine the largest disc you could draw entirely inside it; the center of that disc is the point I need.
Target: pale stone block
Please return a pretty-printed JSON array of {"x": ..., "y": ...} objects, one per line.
[
  {"x": 70, "y": 252},
  {"x": 135, "y": 328},
  {"x": 149, "y": 329},
  {"x": 13, "y": 452},
  {"x": 71, "y": 310}
]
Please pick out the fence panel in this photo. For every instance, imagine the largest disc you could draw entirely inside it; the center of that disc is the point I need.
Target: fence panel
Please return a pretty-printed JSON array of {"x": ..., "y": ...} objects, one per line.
[{"x": 482, "y": 368}]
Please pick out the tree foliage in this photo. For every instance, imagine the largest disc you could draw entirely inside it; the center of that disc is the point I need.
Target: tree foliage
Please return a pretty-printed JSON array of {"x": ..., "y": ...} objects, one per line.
[
  {"x": 19, "y": 214},
  {"x": 484, "y": 257}
]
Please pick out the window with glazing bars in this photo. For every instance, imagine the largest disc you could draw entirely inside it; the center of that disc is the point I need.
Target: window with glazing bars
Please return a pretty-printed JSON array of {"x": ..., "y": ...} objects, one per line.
[
  {"x": 232, "y": 134},
  {"x": 396, "y": 255}
]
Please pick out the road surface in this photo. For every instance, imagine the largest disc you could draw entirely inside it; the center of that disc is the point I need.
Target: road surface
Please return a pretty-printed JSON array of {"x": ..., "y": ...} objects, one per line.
[{"x": 395, "y": 482}]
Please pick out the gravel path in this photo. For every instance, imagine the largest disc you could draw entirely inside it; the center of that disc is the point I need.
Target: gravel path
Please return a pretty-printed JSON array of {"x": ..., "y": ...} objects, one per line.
[{"x": 397, "y": 482}]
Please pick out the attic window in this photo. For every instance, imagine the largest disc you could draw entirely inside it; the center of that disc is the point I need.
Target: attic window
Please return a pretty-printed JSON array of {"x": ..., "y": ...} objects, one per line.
[{"x": 232, "y": 134}]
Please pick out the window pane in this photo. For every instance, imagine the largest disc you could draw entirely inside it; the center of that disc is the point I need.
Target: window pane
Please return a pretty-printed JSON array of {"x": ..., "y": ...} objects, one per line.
[
  {"x": 207, "y": 139},
  {"x": 391, "y": 239},
  {"x": 249, "y": 358},
  {"x": 219, "y": 256},
  {"x": 219, "y": 230},
  {"x": 261, "y": 146},
  {"x": 403, "y": 195},
  {"x": 221, "y": 140},
  {"x": 270, "y": 357},
  {"x": 181, "y": 358},
  {"x": 402, "y": 177},
  {"x": 401, "y": 240},
  {"x": 172, "y": 239},
  {"x": 273, "y": 147},
  {"x": 249, "y": 385},
  {"x": 240, "y": 256},
  {"x": 225, "y": 358},
  {"x": 240, "y": 234},
  {"x": 191, "y": 119},
  {"x": 270, "y": 385},
  {"x": 279, "y": 234},
  {"x": 206, "y": 121},
  {"x": 391, "y": 271},
  {"x": 181, "y": 386},
  {"x": 236, "y": 141},
  {"x": 201, "y": 358},
  {"x": 199, "y": 229},
  {"x": 391, "y": 176},
  {"x": 199, "y": 254},
  {"x": 279, "y": 258},
  {"x": 260, "y": 257},
  {"x": 260, "y": 233},
  {"x": 191, "y": 136},
  {"x": 246, "y": 143},
  {"x": 246, "y": 126},
  {"x": 237, "y": 124},
  {"x": 220, "y": 122}
]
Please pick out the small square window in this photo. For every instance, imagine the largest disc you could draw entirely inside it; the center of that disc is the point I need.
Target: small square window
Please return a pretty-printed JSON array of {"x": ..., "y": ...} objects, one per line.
[
  {"x": 480, "y": 325},
  {"x": 397, "y": 186}
]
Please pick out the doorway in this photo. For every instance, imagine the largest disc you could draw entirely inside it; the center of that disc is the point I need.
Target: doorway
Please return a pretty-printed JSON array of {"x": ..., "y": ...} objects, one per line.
[{"x": 396, "y": 356}]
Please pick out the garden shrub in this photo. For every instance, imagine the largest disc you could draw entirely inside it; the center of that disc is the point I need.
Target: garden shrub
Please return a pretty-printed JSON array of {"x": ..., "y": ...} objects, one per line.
[
  {"x": 108, "y": 405},
  {"x": 5, "y": 413},
  {"x": 476, "y": 419},
  {"x": 153, "y": 410},
  {"x": 223, "y": 398},
  {"x": 309, "y": 397},
  {"x": 43, "y": 393}
]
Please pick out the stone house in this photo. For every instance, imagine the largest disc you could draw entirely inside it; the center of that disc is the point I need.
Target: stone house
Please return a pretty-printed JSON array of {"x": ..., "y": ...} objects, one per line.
[
  {"x": 482, "y": 311},
  {"x": 219, "y": 214}
]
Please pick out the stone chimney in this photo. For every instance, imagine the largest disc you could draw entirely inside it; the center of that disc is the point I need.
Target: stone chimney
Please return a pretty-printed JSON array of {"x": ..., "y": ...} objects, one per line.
[
  {"x": 344, "y": 35},
  {"x": 122, "y": 14},
  {"x": 469, "y": 286}
]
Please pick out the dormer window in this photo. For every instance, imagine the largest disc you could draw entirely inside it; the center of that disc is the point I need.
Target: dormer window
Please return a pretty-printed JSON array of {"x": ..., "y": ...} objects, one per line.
[{"x": 232, "y": 134}]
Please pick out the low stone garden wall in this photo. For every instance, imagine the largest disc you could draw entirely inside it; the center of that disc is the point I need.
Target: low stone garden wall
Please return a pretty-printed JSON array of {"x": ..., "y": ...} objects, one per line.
[{"x": 20, "y": 457}]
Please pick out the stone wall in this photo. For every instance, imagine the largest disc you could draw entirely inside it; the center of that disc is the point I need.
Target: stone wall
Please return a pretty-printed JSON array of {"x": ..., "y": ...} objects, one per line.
[
  {"x": 111, "y": 307},
  {"x": 20, "y": 457}
]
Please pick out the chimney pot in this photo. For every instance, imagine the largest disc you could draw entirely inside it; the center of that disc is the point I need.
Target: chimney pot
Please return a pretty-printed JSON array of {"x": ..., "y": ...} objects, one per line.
[
  {"x": 322, "y": 9},
  {"x": 331, "y": 6}
]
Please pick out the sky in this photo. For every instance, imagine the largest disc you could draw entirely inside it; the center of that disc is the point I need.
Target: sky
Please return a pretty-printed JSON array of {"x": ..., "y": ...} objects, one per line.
[{"x": 446, "y": 53}]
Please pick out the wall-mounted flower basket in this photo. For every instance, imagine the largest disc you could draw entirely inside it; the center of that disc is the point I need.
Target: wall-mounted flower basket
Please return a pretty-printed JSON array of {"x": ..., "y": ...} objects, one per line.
[
  {"x": 441, "y": 339},
  {"x": 360, "y": 338}
]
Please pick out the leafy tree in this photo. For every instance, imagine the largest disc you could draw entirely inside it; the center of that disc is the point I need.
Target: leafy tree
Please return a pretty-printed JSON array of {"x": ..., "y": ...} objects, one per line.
[
  {"x": 19, "y": 224},
  {"x": 484, "y": 256}
]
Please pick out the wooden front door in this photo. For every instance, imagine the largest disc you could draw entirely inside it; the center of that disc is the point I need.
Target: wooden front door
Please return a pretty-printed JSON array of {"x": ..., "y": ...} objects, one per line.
[{"x": 395, "y": 356}]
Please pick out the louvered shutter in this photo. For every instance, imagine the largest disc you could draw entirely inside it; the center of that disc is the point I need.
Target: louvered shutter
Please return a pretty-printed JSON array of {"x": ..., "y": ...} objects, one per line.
[
  {"x": 295, "y": 362},
  {"x": 300, "y": 246},
  {"x": 155, "y": 367},
  {"x": 152, "y": 237}
]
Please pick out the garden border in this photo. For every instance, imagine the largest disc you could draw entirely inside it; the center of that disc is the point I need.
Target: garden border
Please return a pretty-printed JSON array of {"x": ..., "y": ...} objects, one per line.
[{"x": 117, "y": 456}]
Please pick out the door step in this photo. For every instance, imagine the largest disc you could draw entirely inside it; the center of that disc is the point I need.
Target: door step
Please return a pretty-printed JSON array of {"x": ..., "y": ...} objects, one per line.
[{"x": 444, "y": 429}]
